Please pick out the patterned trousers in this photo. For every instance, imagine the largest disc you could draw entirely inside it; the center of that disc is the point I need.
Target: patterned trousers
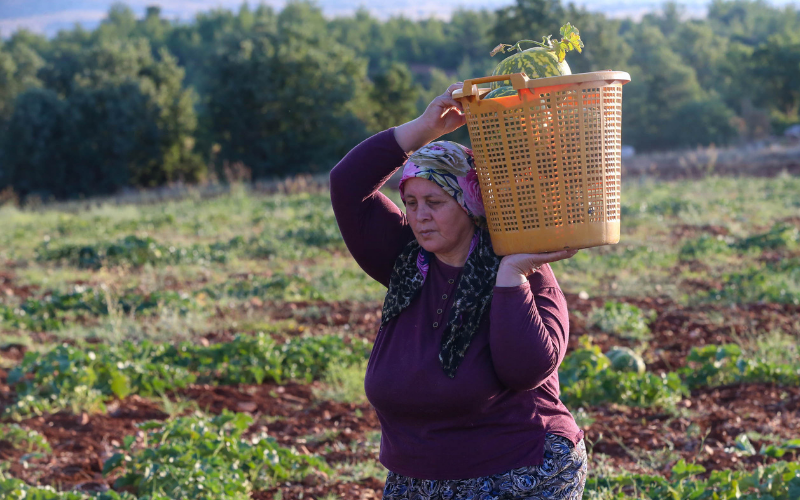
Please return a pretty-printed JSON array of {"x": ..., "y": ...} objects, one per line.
[{"x": 561, "y": 476}]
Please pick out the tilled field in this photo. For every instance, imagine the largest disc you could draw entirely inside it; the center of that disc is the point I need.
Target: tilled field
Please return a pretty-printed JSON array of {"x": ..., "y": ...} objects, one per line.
[
  {"x": 630, "y": 438},
  {"x": 88, "y": 379}
]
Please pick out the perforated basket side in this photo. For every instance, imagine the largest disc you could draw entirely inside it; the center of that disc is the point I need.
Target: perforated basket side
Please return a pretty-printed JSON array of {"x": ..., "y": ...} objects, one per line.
[{"x": 549, "y": 164}]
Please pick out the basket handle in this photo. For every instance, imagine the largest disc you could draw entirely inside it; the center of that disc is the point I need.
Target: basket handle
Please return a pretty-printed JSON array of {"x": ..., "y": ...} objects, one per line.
[{"x": 518, "y": 81}]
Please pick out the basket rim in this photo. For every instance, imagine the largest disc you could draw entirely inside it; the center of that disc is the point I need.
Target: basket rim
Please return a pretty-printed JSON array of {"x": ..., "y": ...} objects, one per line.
[{"x": 552, "y": 81}]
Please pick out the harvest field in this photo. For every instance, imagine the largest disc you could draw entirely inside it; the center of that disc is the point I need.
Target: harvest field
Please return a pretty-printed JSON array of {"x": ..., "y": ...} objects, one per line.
[{"x": 215, "y": 349}]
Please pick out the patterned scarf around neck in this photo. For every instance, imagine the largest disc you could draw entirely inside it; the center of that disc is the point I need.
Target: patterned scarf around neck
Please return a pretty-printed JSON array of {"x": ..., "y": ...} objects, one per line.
[{"x": 473, "y": 294}]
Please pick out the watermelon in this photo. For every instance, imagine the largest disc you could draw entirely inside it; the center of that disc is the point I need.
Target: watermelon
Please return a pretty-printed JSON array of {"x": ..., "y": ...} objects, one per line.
[
  {"x": 501, "y": 92},
  {"x": 538, "y": 62},
  {"x": 624, "y": 359}
]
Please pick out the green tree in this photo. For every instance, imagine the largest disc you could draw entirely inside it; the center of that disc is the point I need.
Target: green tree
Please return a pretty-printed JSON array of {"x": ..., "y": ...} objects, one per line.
[
  {"x": 119, "y": 24},
  {"x": 287, "y": 101},
  {"x": 34, "y": 143},
  {"x": 605, "y": 48},
  {"x": 777, "y": 69},
  {"x": 660, "y": 83},
  {"x": 529, "y": 20},
  {"x": 700, "y": 123},
  {"x": 19, "y": 66},
  {"x": 394, "y": 96},
  {"x": 752, "y": 21},
  {"x": 123, "y": 119},
  {"x": 703, "y": 49}
]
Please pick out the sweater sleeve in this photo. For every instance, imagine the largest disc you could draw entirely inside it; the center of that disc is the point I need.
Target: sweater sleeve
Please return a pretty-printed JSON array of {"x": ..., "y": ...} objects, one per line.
[
  {"x": 529, "y": 331},
  {"x": 374, "y": 229}
]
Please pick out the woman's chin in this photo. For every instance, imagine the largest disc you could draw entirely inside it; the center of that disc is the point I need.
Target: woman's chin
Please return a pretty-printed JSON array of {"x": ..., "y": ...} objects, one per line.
[{"x": 429, "y": 244}]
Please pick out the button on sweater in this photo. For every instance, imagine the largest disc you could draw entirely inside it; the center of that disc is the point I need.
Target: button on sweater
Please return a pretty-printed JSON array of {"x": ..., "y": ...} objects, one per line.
[{"x": 494, "y": 414}]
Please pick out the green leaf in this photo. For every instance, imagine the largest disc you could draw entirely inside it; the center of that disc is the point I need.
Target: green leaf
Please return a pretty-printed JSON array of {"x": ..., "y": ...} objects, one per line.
[
  {"x": 561, "y": 51},
  {"x": 120, "y": 385},
  {"x": 112, "y": 463},
  {"x": 742, "y": 443},
  {"x": 772, "y": 451},
  {"x": 570, "y": 34},
  {"x": 683, "y": 470}
]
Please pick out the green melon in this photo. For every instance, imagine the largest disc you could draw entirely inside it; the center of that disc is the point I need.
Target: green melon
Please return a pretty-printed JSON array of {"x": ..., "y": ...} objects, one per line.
[
  {"x": 536, "y": 62},
  {"x": 624, "y": 359},
  {"x": 505, "y": 91}
]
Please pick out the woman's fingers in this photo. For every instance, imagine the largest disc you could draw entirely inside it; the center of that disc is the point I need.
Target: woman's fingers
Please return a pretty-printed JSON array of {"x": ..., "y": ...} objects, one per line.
[
  {"x": 447, "y": 98},
  {"x": 524, "y": 262},
  {"x": 453, "y": 87},
  {"x": 555, "y": 256}
]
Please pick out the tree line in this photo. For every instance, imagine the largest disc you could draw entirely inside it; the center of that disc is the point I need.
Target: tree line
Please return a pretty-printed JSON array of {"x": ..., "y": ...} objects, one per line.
[{"x": 149, "y": 101}]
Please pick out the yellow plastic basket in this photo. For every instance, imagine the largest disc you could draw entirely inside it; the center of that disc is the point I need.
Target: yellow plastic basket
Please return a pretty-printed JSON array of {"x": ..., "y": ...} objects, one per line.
[{"x": 548, "y": 159}]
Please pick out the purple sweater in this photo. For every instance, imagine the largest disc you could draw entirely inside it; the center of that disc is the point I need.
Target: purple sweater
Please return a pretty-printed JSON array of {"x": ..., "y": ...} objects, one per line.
[{"x": 493, "y": 415}]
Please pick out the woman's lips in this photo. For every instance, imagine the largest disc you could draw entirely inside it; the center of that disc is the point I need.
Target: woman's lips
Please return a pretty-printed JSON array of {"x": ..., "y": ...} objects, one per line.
[{"x": 427, "y": 232}]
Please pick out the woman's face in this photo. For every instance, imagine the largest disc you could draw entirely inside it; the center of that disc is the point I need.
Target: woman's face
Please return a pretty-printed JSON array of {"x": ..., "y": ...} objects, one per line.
[{"x": 439, "y": 223}]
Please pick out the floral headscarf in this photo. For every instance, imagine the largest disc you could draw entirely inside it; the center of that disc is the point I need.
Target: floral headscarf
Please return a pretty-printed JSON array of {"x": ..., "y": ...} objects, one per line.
[{"x": 451, "y": 167}]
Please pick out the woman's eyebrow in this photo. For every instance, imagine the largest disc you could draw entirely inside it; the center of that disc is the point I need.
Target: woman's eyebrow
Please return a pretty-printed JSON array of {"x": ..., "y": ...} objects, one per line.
[{"x": 434, "y": 195}]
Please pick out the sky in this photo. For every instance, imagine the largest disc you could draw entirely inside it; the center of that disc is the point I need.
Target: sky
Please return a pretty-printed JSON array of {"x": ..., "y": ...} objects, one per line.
[{"x": 49, "y": 16}]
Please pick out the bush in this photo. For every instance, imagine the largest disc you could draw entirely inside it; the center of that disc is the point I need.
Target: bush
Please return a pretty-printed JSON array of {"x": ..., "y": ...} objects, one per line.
[{"x": 123, "y": 120}]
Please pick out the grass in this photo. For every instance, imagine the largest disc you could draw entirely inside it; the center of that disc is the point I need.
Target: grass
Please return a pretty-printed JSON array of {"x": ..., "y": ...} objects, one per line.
[
  {"x": 343, "y": 383},
  {"x": 771, "y": 347}
]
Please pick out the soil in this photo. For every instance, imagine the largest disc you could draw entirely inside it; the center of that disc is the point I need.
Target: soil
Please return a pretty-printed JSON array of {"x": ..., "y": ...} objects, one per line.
[
  {"x": 311, "y": 426},
  {"x": 81, "y": 443},
  {"x": 714, "y": 418},
  {"x": 9, "y": 288}
]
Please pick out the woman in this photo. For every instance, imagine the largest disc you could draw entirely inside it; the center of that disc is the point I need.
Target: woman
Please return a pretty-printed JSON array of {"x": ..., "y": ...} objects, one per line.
[{"x": 463, "y": 375}]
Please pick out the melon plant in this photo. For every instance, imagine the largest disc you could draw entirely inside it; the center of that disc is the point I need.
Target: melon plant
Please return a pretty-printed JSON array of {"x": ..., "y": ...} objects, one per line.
[
  {"x": 624, "y": 359},
  {"x": 547, "y": 59}
]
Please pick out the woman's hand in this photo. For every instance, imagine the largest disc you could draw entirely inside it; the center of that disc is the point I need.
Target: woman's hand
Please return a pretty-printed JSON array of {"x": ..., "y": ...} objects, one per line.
[
  {"x": 515, "y": 269},
  {"x": 443, "y": 115}
]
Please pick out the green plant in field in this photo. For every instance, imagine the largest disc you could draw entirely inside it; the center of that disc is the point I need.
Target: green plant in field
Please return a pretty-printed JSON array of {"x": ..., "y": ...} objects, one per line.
[
  {"x": 777, "y": 481},
  {"x": 775, "y": 283},
  {"x": 136, "y": 251},
  {"x": 208, "y": 458},
  {"x": 25, "y": 439},
  {"x": 778, "y": 450},
  {"x": 16, "y": 489},
  {"x": 781, "y": 236},
  {"x": 775, "y": 346},
  {"x": 84, "y": 376},
  {"x": 670, "y": 206},
  {"x": 279, "y": 286},
  {"x": 309, "y": 357},
  {"x": 586, "y": 379},
  {"x": 714, "y": 365},
  {"x": 704, "y": 246},
  {"x": 56, "y": 309},
  {"x": 622, "y": 319},
  {"x": 743, "y": 446}
]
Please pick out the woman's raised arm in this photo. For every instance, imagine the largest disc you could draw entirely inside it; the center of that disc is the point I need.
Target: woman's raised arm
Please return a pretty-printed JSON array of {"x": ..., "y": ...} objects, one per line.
[{"x": 374, "y": 229}]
